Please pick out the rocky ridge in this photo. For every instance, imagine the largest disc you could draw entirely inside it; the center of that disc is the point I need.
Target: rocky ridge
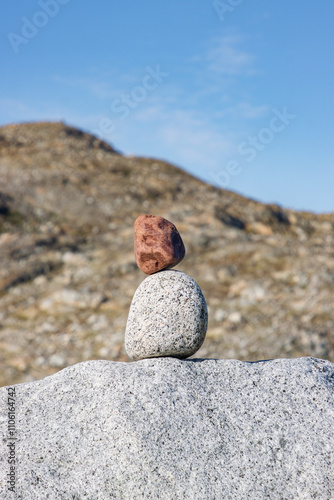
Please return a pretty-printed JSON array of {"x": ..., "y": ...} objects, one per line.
[{"x": 68, "y": 202}]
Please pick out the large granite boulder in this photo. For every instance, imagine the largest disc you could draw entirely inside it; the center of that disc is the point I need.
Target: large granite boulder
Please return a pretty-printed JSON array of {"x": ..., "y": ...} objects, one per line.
[{"x": 166, "y": 428}]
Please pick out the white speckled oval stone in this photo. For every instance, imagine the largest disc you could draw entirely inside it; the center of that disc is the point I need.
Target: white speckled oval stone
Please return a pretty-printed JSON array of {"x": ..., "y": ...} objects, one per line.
[{"x": 168, "y": 317}]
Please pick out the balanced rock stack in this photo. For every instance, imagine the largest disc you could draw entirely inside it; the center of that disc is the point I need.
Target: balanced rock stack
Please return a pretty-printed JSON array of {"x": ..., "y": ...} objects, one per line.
[{"x": 168, "y": 314}]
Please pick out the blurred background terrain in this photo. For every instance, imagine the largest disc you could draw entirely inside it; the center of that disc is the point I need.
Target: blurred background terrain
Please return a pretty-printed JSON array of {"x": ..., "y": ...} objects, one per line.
[{"x": 68, "y": 202}]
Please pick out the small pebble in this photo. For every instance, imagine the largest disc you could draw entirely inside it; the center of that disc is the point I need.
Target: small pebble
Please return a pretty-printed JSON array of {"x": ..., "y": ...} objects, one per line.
[{"x": 158, "y": 244}]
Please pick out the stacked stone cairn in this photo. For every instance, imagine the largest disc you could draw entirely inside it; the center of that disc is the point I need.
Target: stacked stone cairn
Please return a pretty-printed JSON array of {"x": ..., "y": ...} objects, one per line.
[{"x": 168, "y": 314}]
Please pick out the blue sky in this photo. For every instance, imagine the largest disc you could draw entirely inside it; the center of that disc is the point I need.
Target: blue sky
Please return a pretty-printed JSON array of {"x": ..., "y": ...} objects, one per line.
[{"x": 238, "y": 93}]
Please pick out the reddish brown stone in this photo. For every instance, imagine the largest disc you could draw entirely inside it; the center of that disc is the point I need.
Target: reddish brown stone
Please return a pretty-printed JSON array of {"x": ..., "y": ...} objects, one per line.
[{"x": 158, "y": 244}]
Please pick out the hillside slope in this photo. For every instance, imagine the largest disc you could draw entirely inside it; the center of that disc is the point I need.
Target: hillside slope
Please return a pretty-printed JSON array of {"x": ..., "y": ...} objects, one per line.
[{"x": 68, "y": 202}]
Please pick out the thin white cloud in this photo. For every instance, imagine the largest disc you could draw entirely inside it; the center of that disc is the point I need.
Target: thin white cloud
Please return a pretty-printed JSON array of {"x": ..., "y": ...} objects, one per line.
[
  {"x": 243, "y": 111},
  {"x": 93, "y": 85},
  {"x": 249, "y": 111},
  {"x": 188, "y": 135},
  {"x": 103, "y": 84},
  {"x": 204, "y": 150},
  {"x": 195, "y": 143},
  {"x": 227, "y": 58}
]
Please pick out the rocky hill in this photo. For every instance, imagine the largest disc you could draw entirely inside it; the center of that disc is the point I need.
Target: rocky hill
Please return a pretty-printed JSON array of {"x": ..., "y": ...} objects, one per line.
[{"x": 68, "y": 202}]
